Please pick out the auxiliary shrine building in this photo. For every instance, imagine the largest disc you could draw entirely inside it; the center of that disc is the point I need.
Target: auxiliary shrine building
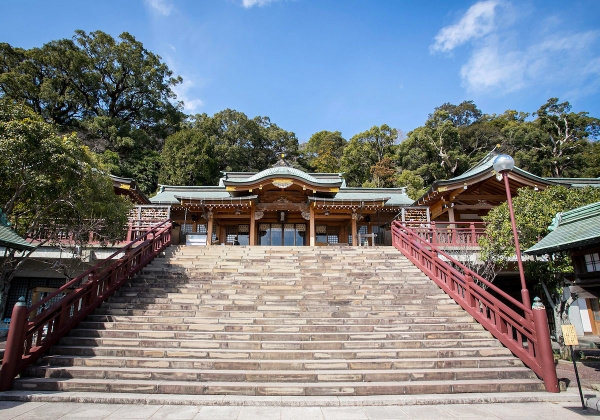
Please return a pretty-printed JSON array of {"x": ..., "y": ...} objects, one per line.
[{"x": 285, "y": 206}]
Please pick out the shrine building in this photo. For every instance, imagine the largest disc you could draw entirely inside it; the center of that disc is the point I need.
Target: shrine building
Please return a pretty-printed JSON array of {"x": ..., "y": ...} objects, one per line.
[{"x": 285, "y": 206}]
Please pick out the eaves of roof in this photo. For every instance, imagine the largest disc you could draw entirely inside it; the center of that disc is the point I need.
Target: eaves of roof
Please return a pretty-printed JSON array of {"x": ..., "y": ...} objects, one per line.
[{"x": 575, "y": 228}]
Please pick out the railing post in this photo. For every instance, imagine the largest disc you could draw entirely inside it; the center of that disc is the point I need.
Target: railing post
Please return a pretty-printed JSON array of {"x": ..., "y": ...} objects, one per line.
[
  {"x": 545, "y": 356},
  {"x": 473, "y": 234},
  {"x": 433, "y": 233},
  {"x": 14, "y": 345},
  {"x": 468, "y": 290}
]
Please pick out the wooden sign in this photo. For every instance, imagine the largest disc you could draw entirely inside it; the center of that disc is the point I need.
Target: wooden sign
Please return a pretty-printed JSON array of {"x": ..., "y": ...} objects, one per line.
[{"x": 569, "y": 335}]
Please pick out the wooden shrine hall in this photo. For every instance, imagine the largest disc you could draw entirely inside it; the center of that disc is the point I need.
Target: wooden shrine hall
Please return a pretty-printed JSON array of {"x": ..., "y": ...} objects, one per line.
[{"x": 282, "y": 205}]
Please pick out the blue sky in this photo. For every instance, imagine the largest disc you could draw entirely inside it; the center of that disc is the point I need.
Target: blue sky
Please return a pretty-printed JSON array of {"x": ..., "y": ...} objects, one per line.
[{"x": 346, "y": 65}]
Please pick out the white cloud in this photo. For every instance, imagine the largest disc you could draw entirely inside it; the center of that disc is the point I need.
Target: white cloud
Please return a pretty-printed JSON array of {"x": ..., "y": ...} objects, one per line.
[
  {"x": 512, "y": 49},
  {"x": 182, "y": 91},
  {"x": 558, "y": 59},
  {"x": 251, "y": 3},
  {"x": 489, "y": 68},
  {"x": 477, "y": 22},
  {"x": 162, "y": 7}
]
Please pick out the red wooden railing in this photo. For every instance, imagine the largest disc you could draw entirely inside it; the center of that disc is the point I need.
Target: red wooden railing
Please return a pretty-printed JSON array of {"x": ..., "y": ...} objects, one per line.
[
  {"x": 523, "y": 330},
  {"x": 31, "y": 334},
  {"x": 449, "y": 234}
]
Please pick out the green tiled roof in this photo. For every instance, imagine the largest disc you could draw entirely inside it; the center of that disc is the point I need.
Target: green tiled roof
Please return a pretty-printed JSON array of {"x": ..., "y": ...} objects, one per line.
[
  {"x": 9, "y": 239},
  {"x": 572, "y": 229},
  {"x": 167, "y": 194},
  {"x": 284, "y": 171}
]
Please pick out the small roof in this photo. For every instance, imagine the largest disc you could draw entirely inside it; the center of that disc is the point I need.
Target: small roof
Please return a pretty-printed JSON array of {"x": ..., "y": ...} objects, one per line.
[
  {"x": 167, "y": 194},
  {"x": 128, "y": 187},
  {"x": 487, "y": 165},
  {"x": 393, "y": 196},
  {"x": 577, "y": 182},
  {"x": 572, "y": 229},
  {"x": 9, "y": 239}
]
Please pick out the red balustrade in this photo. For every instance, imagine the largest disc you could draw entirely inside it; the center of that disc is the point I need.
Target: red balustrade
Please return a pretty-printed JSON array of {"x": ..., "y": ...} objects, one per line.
[
  {"x": 523, "y": 330},
  {"x": 446, "y": 234},
  {"x": 34, "y": 330}
]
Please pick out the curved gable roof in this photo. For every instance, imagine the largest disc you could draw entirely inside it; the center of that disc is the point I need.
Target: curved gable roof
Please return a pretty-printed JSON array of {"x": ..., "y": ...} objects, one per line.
[{"x": 286, "y": 171}]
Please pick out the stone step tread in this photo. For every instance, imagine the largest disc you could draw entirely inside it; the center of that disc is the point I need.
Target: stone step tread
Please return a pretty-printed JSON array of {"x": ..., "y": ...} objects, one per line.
[
  {"x": 282, "y": 364},
  {"x": 367, "y": 375},
  {"x": 287, "y": 388},
  {"x": 351, "y": 354},
  {"x": 284, "y": 337}
]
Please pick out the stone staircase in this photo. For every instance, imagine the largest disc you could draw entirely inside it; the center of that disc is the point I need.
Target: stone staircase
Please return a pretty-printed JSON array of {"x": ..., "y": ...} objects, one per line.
[{"x": 280, "y": 321}]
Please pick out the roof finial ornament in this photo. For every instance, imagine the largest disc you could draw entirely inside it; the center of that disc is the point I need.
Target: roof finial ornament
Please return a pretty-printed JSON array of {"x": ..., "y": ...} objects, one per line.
[{"x": 282, "y": 161}]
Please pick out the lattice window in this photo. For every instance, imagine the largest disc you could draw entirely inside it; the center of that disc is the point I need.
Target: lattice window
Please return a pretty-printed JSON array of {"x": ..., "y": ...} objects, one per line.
[
  {"x": 231, "y": 233},
  {"x": 188, "y": 228},
  {"x": 592, "y": 262},
  {"x": 301, "y": 228},
  {"x": 243, "y": 228},
  {"x": 321, "y": 229}
]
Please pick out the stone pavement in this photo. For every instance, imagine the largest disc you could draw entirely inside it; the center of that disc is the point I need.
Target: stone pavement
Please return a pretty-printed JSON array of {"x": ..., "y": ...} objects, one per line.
[{"x": 513, "y": 411}]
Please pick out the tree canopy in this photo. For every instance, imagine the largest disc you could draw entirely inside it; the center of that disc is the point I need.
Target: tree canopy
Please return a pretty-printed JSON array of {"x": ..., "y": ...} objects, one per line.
[
  {"x": 51, "y": 184},
  {"x": 117, "y": 95}
]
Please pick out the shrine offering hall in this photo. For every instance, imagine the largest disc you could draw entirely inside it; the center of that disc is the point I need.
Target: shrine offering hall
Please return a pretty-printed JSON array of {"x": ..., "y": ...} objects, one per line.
[{"x": 283, "y": 206}]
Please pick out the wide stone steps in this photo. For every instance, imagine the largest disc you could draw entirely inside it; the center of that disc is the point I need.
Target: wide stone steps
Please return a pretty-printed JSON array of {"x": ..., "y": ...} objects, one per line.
[
  {"x": 464, "y": 362},
  {"x": 210, "y": 375},
  {"x": 279, "y": 337},
  {"x": 280, "y": 388},
  {"x": 280, "y": 321},
  {"x": 279, "y": 345},
  {"x": 275, "y": 354}
]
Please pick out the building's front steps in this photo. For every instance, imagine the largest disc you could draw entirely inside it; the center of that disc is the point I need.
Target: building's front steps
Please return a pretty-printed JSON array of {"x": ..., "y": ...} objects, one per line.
[{"x": 280, "y": 321}]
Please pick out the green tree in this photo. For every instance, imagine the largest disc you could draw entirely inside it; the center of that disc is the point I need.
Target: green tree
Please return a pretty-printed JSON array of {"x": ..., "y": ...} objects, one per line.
[
  {"x": 413, "y": 183},
  {"x": 324, "y": 151},
  {"x": 567, "y": 135},
  {"x": 117, "y": 95},
  {"x": 534, "y": 211},
  {"x": 245, "y": 144},
  {"x": 189, "y": 159},
  {"x": 366, "y": 149},
  {"x": 50, "y": 184}
]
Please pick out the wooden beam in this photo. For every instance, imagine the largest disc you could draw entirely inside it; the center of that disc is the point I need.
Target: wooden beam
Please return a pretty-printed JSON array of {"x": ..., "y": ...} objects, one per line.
[
  {"x": 475, "y": 207},
  {"x": 494, "y": 197}
]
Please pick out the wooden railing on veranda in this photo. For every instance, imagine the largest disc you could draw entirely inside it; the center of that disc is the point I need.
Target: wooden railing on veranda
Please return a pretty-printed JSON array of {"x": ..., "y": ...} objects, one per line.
[
  {"x": 523, "y": 330},
  {"x": 446, "y": 234},
  {"x": 33, "y": 331}
]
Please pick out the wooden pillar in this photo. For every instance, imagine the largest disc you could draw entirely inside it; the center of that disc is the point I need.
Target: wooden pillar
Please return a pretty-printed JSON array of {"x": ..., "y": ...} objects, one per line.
[
  {"x": 312, "y": 226},
  {"x": 452, "y": 227},
  {"x": 209, "y": 228},
  {"x": 451, "y": 217},
  {"x": 252, "y": 227},
  {"x": 354, "y": 230}
]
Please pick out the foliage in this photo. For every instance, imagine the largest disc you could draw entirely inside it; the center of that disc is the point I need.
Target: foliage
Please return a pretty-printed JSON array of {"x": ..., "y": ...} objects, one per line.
[
  {"x": 534, "y": 211},
  {"x": 324, "y": 151},
  {"x": 116, "y": 94},
  {"x": 366, "y": 150},
  {"x": 413, "y": 183},
  {"x": 51, "y": 184},
  {"x": 189, "y": 159}
]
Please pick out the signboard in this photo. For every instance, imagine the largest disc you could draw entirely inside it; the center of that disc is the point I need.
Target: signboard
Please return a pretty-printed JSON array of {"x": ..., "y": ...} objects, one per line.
[{"x": 569, "y": 335}]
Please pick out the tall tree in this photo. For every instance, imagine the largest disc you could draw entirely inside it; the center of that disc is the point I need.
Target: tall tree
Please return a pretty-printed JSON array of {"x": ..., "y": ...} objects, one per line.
[
  {"x": 567, "y": 134},
  {"x": 50, "y": 184},
  {"x": 366, "y": 149},
  {"x": 189, "y": 159},
  {"x": 116, "y": 94},
  {"x": 324, "y": 151}
]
